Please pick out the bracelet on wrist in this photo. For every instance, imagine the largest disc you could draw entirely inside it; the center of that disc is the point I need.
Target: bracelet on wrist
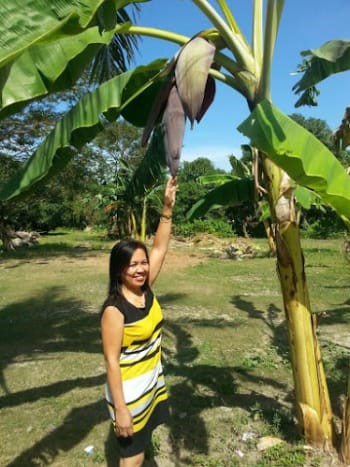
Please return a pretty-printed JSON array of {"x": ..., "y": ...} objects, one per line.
[{"x": 165, "y": 216}]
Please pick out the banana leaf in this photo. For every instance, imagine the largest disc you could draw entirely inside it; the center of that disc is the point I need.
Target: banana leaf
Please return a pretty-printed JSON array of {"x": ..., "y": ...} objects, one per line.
[
  {"x": 215, "y": 179},
  {"x": 232, "y": 193},
  {"x": 79, "y": 126},
  {"x": 47, "y": 45},
  {"x": 306, "y": 198},
  {"x": 123, "y": 3},
  {"x": 306, "y": 160},
  {"x": 332, "y": 57},
  {"x": 151, "y": 168},
  {"x": 34, "y": 21},
  {"x": 51, "y": 67}
]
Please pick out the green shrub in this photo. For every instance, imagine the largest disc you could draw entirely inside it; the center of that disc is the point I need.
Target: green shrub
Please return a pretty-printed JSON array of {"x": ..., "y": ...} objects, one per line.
[
  {"x": 217, "y": 227},
  {"x": 323, "y": 229}
]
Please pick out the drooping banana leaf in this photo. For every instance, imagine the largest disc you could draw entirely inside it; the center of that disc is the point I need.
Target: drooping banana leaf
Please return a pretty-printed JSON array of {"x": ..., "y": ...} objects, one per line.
[
  {"x": 79, "y": 126},
  {"x": 49, "y": 44},
  {"x": 51, "y": 67},
  {"x": 307, "y": 161},
  {"x": 34, "y": 21},
  {"x": 150, "y": 169},
  {"x": 306, "y": 198},
  {"x": 228, "y": 196},
  {"x": 332, "y": 57},
  {"x": 231, "y": 193},
  {"x": 215, "y": 179}
]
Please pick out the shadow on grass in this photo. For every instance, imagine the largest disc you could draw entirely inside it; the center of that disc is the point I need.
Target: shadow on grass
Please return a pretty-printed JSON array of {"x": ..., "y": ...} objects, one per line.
[
  {"x": 50, "y": 250},
  {"x": 52, "y": 390},
  {"x": 31, "y": 330},
  {"x": 273, "y": 319},
  {"x": 75, "y": 427},
  {"x": 45, "y": 324},
  {"x": 48, "y": 324},
  {"x": 64, "y": 244},
  {"x": 335, "y": 354}
]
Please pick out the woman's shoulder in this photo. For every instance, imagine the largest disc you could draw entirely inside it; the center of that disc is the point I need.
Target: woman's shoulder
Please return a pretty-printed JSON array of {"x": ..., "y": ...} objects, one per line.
[
  {"x": 110, "y": 309},
  {"x": 110, "y": 312}
]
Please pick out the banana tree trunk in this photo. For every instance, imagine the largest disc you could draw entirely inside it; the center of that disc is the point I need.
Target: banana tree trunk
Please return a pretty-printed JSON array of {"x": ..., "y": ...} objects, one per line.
[
  {"x": 313, "y": 406},
  {"x": 345, "y": 441},
  {"x": 143, "y": 220},
  {"x": 134, "y": 229}
]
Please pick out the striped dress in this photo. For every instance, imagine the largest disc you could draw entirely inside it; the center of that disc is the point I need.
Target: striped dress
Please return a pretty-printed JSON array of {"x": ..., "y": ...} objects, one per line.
[{"x": 142, "y": 373}]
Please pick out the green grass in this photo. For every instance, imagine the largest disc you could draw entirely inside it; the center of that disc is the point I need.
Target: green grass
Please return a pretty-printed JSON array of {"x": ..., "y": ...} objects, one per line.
[{"x": 225, "y": 354}]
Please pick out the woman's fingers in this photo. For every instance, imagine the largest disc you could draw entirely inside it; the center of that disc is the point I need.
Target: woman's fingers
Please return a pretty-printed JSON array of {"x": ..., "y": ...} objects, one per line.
[{"x": 125, "y": 432}]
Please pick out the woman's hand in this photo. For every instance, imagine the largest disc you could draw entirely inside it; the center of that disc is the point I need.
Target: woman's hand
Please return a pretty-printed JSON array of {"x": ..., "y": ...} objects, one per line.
[
  {"x": 123, "y": 422},
  {"x": 170, "y": 193}
]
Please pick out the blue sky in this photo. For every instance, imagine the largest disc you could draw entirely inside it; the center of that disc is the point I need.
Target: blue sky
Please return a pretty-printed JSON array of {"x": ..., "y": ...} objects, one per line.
[{"x": 306, "y": 24}]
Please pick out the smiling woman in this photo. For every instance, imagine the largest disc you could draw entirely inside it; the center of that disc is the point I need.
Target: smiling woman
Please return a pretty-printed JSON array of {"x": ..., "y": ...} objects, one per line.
[{"x": 131, "y": 326}]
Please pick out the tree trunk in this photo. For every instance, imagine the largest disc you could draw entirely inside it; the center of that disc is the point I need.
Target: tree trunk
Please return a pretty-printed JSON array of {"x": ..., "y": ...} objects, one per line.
[
  {"x": 345, "y": 441},
  {"x": 6, "y": 235},
  {"x": 270, "y": 238},
  {"x": 144, "y": 219},
  {"x": 313, "y": 406},
  {"x": 135, "y": 233}
]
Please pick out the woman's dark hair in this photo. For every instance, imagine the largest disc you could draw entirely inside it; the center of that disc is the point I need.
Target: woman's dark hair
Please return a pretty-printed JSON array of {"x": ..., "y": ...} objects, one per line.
[{"x": 120, "y": 257}]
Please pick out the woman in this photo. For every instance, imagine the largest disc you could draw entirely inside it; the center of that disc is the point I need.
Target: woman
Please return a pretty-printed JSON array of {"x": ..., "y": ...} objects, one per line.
[{"x": 131, "y": 336}]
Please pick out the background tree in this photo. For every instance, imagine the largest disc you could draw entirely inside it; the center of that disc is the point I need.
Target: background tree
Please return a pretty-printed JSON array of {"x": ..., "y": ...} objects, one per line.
[
  {"x": 191, "y": 190},
  {"x": 120, "y": 142},
  {"x": 189, "y": 176},
  {"x": 66, "y": 200},
  {"x": 129, "y": 191},
  {"x": 20, "y": 134}
]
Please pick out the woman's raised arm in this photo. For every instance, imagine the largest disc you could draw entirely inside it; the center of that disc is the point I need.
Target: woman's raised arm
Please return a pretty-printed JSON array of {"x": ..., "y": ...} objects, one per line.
[{"x": 162, "y": 235}]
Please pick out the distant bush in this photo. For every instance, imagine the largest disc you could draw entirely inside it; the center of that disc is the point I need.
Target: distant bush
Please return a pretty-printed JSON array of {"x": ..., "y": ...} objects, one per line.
[
  {"x": 217, "y": 227},
  {"x": 321, "y": 223},
  {"x": 322, "y": 228}
]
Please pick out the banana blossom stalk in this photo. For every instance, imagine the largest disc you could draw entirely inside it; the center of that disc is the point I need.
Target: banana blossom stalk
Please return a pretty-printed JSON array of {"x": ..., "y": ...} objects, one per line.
[{"x": 187, "y": 94}]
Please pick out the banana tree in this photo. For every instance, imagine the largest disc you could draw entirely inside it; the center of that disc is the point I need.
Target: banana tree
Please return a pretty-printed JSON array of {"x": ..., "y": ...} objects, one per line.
[
  {"x": 139, "y": 188},
  {"x": 332, "y": 57},
  {"x": 280, "y": 143},
  {"x": 242, "y": 186},
  {"x": 287, "y": 154}
]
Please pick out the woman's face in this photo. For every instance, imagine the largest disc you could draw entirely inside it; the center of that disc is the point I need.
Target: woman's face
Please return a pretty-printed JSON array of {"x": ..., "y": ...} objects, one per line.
[{"x": 135, "y": 275}]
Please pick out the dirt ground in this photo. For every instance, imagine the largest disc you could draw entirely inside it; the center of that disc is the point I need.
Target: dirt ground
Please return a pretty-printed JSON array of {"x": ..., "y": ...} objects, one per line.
[{"x": 184, "y": 253}]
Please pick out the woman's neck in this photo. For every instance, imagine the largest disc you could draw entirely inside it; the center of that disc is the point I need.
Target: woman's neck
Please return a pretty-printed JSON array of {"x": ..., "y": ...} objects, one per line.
[
  {"x": 135, "y": 296},
  {"x": 136, "y": 292}
]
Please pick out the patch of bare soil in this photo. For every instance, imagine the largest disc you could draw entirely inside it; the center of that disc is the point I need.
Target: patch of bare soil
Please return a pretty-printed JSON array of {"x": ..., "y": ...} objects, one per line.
[
  {"x": 185, "y": 253},
  {"x": 182, "y": 255}
]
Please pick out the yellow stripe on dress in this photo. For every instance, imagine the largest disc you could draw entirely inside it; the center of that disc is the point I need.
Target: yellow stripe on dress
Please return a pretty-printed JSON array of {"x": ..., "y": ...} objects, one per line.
[
  {"x": 141, "y": 420},
  {"x": 143, "y": 329}
]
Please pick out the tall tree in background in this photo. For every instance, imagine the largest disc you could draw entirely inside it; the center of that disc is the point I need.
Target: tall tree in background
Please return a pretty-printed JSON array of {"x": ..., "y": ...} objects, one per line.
[
  {"x": 129, "y": 190},
  {"x": 22, "y": 133},
  {"x": 67, "y": 199}
]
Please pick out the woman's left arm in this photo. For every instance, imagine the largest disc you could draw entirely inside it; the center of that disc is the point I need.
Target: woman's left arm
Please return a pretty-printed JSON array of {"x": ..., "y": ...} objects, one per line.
[{"x": 162, "y": 235}]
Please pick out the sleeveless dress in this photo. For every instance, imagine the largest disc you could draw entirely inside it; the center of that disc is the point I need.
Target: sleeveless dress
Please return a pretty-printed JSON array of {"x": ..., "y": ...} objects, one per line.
[{"x": 142, "y": 373}]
